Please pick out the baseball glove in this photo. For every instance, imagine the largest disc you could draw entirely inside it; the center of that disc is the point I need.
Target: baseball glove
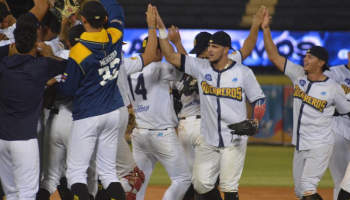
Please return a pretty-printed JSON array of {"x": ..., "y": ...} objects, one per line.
[
  {"x": 190, "y": 86},
  {"x": 132, "y": 121},
  {"x": 247, "y": 127},
  {"x": 65, "y": 8}
]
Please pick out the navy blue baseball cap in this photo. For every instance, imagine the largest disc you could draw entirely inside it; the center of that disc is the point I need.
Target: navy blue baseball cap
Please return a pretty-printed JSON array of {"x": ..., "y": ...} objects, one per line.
[
  {"x": 200, "y": 42},
  {"x": 221, "y": 38},
  {"x": 320, "y": 53},
  {"x": 94, "y": 10},
  {"x": 144, "y": 45}
]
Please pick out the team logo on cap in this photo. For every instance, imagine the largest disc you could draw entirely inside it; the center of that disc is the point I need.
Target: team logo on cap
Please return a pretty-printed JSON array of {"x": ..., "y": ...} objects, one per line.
[
  {"x": 144, "y": 43},
  {"x": 208, "y": 77},
  {"x": 302, "y": 82},
  {"x": 234, "y": 80},
  {"x": 97, "y": 17},
  {"x": 347, "y": 80},
  {"x": 323, "y": 93}
]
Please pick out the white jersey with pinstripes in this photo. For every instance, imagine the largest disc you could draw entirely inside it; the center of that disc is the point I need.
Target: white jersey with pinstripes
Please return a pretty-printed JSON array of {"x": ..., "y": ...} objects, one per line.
[
  {"x": 150, "y": 96},
  {"x": 314, "y": 106},
  {"x": 191, "y": 103},
  {"x": 223, "y": 96}
]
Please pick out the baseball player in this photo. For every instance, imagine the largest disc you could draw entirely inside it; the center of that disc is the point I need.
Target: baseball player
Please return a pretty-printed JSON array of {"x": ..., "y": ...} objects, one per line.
[
  {"x": 99, "y": 113},
  {"x": 189, "y": 126},
  {"x": 154, "y": 139},
  {"x": 7, "y": 21},
  {"x": 56, "y": 140},
  {"x": 340, "y": 157},
  {"x": 20, "y": 109},
  {"x": 224, "y": 85},
  {"x": 316, "y": 97},
  {"x": 130, "y": 175}
]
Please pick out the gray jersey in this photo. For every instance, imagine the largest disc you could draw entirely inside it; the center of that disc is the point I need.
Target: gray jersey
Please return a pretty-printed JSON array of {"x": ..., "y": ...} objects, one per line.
[
  {"x": 314, "y": 106},
  {"x": 223, "y": 98},
  {"x": 150, "y": 96}
]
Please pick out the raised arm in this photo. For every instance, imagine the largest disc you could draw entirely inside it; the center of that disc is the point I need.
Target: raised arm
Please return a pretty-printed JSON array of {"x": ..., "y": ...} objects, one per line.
[
  {"x": 151, "y": 48},
  {"x": 250, "y": 41},
  {"x": 175, "y": 38},
  {"x": 40, "y": 8},
  {"x": 115, "y": 14},
  {"x": 170, "y": 55},
  {"x": 270, "y": 47}
]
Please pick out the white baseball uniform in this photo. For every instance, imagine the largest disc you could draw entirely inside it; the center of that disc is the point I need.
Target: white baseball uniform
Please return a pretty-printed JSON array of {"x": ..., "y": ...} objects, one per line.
[
  {"x": 314, "y": 106},
  {"x": 56, "y": 142},
  {"x": 223, "y": 95},
  {"x": 155, "y": 137},
  {"x": 341, "y": 127},
  {"x": 190, "y": 114}
]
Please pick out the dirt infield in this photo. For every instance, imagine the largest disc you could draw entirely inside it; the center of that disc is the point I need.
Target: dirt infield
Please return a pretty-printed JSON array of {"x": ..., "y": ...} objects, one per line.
[{"x": 245, "y": 193}]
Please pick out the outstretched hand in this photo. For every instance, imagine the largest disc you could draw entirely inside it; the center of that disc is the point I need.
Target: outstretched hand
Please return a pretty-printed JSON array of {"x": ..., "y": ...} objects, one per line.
[
  {"x": 266, "y": 20},
  {"x": 174, "y": 34},
  {"x": 259, "y": 16},
  {"x": 160, "y": 24},
  {"x": 45, "y": 50},
  {"x": 151, "y": 16}
]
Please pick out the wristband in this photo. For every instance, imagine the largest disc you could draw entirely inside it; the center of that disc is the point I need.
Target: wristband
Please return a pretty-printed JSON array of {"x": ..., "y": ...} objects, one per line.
[
  {"x": 152, "y": 27},
  {"x": 163, "y": 34}
]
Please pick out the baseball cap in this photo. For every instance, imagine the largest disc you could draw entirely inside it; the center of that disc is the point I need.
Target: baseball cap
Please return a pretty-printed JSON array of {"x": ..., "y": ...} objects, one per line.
[
  {"x": 320, "y": 53},
  {"x": 144, "y": 44},
  {"x": 200, "y": 42},
  {"x": 75, "y": 33},
  {"x": 221, "y": 38},
  {"x": 3, "y": 10},
  {"x": 94, "y": 10}
]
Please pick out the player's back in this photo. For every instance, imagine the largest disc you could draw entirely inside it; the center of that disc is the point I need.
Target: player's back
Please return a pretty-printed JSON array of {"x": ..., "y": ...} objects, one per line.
[
  {"x": 97, "y": 56},
  {"x": 151, "y": 98},
  {"x": 23, "y": 79}
]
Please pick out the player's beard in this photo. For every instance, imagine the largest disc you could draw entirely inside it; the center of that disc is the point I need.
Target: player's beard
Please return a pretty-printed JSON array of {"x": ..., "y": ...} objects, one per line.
[{"x": 212, "y": 63}]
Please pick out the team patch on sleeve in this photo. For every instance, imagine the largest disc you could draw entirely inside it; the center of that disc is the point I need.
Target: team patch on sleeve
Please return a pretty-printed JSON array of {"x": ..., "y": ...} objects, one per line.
[
  {"x": 346, "y": 89},
  {"x": 231, "y": 93},
  {"x": 318, "y": 104}
]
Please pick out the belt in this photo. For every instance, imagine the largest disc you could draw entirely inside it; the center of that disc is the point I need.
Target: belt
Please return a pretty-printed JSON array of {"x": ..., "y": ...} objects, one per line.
[
  {"x": 158, "y": 129},
  {"x": 54, "y": 111},
  {"x": 197, "y": 117}
]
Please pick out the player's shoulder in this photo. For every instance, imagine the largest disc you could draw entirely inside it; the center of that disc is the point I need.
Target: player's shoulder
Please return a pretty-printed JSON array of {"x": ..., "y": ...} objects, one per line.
[
  {"x": 79, "y": 52},
  {"x": 115, "y": 34},
  {"x": 241, "y": 67}
]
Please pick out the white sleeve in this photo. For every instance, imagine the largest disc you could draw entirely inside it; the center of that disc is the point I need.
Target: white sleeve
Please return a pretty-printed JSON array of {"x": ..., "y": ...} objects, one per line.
[
  {"x": 169, "y": 72},
  {"x": 252, "y": 88},
  {"x": 191, "y": 65},
  {"x": 342, "y": 103},
  {"x": 133, "y": 64},
  {"x": 331, "y": 74},
  {"x": 56, "y": 46},
  {"x": 236, "y": 56},
  {"x": 293, "y": 71}
]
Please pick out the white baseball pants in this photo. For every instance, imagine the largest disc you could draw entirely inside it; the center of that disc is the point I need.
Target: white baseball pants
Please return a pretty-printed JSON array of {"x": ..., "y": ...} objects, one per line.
[
  {"x": 19, "y": 164},
  {"x": 211, "y": 161},
  {"x": 149, "y": 146},
  {"x": 340, "y": 156},
  {"x": 98, "y": 134},
  {"x": 309, "y": 167},
  {"x": 190, "y": 137}
]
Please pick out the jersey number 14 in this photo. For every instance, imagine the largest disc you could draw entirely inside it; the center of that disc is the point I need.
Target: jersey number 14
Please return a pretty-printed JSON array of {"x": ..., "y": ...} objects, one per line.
[{"x": 140, "y": 88}]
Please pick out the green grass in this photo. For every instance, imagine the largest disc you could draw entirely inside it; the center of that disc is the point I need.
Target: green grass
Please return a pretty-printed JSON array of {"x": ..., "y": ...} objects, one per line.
[{"x": 269, "y": 166}]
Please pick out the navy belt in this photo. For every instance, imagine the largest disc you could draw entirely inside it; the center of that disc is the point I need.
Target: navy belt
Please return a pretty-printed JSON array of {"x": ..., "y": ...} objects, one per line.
[
  {"x": 54, "y": 111},
  {"x": 197, "y": 117}
]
